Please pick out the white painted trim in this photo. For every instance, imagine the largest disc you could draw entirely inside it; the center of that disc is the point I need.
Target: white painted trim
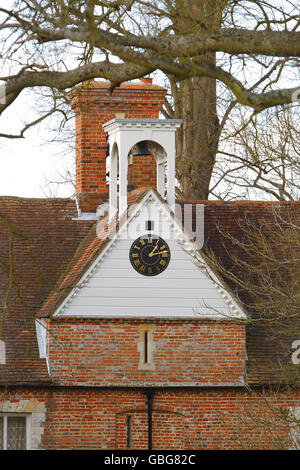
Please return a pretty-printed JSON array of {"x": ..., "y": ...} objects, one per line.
[
  {"x": 113, "y": 188},
  {"x": 144, "y": 316},
  {"x": 188, "y": 246},
  {"x": 160, "y": 179},
  {"x": 28, "y": 431},
  {"x": 41, "y": 334},
  {"x": 123, "y": 176},
  {"x": 87, "y": 216}
]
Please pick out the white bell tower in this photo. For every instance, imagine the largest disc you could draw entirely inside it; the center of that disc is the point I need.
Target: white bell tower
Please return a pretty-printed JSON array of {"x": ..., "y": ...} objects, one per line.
[{"x": 123, "y": 135}]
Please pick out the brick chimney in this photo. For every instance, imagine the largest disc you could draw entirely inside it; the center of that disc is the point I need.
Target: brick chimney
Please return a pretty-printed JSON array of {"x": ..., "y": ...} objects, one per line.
[{"x": 94, "y": 105}]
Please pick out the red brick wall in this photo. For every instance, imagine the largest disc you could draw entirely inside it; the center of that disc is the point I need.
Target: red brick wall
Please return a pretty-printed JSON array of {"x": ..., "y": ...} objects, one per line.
[
  {"x": 142, "y": 172},
  {"x": 182, "y": 419},
  {"x": 105, "y": 352},
  {"x": 87, "y": 418},
  {"x": 94, "y": 105}
]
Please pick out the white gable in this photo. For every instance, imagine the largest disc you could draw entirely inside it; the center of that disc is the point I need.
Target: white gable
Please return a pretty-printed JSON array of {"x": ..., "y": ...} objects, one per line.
[{"x": 186, "y": 289}]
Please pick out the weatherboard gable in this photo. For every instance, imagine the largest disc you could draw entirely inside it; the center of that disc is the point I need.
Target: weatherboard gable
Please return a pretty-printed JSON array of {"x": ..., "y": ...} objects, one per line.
[{"x": 187, "y": 288}]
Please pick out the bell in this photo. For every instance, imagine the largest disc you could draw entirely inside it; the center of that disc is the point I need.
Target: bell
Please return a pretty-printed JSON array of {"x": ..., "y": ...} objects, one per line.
[{"x": 141, "y": 149}]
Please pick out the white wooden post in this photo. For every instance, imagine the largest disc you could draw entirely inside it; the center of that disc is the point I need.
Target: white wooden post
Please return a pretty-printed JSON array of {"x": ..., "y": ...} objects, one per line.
[
  {"x": 160, "y": 178},
  {"x": 123, "y": 171},
  {"x": 171, "y": 174},
  {"x": 113, "y": 184}
]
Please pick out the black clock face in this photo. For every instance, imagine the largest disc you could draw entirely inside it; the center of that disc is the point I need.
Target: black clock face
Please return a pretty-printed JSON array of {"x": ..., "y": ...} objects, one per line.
[{"x": 149, "y": 255}]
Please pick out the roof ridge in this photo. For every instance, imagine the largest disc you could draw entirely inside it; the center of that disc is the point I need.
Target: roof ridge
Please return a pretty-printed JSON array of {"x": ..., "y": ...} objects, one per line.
[{"x": 240, "y": 201}]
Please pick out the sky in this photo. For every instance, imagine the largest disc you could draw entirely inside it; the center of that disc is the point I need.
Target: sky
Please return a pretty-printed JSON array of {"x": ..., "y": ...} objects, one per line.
[{"x": 27, "y": 165}]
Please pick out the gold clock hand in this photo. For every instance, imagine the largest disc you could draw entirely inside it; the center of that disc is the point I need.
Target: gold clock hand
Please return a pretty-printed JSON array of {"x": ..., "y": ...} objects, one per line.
[
  {"x": 152, "y": 252},
  {"x": 159, "y": 253}
]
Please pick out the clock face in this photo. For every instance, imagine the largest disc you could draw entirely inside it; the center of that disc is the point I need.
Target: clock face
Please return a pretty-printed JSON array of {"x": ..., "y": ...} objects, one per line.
[{"x": 149, "y": 255}]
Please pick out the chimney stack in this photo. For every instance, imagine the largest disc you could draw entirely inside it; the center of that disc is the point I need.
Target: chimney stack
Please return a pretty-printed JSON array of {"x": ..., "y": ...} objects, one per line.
[{"x": 95, "y": 105}]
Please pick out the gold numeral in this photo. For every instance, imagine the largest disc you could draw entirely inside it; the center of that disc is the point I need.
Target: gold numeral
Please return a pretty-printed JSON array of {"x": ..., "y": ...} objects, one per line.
[
  {"x": 137, "y": 262},
  {"x": 137, "y": 247},
  {"x": 162, "y": 262},
  {"x": 142, "y": 268},
  {"x": 149, "y": 270},
  {"x": 135, "y": 255},
  {"x": 164, "y": 255},
  {"x": 142, "y": 241}
]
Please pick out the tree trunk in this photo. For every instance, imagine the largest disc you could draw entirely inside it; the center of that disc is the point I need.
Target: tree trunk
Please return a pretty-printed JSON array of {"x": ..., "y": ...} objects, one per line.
[
  {"x": 197, "y": 140},
  {"x": 195, "y": 104}
]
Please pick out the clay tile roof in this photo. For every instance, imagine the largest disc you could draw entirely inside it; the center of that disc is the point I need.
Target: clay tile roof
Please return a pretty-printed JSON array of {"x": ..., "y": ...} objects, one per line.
[{"x": 38, "y": 237}]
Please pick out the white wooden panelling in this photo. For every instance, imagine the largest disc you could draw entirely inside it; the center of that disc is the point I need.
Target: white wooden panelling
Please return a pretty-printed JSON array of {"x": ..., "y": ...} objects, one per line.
[
  {"x": 160, "y": 312},
  {"x": 176, "y": 264},
  {"x": 151, "y": 301},
  {"x": 133, "y": 275},
  {"x": 90, "y": 294},
  {"x": 107, "y": 285},
  {"x": 123, "y": 254},
  {"x": 114, "y": 288}
]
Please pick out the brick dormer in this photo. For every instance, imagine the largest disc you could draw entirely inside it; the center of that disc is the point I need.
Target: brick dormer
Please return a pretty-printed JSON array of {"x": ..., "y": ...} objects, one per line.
[{"x": 95, "y": 105}]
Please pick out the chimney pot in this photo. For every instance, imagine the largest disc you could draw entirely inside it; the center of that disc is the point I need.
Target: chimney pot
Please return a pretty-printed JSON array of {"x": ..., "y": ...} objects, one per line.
[{"x": 146, "y": 80}]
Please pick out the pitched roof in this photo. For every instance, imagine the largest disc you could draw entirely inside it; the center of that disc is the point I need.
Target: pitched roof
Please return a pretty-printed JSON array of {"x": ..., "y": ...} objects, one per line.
[{"x": 38, "y": 237}]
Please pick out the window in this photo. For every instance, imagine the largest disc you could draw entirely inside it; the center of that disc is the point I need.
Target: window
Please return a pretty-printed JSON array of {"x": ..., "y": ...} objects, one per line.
[
  {"x": 149, "y": 225},
  {"x": 146, "y": 348},
  {"x": 14, "y": 430},
  {"x": 128, "y": 432}
]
